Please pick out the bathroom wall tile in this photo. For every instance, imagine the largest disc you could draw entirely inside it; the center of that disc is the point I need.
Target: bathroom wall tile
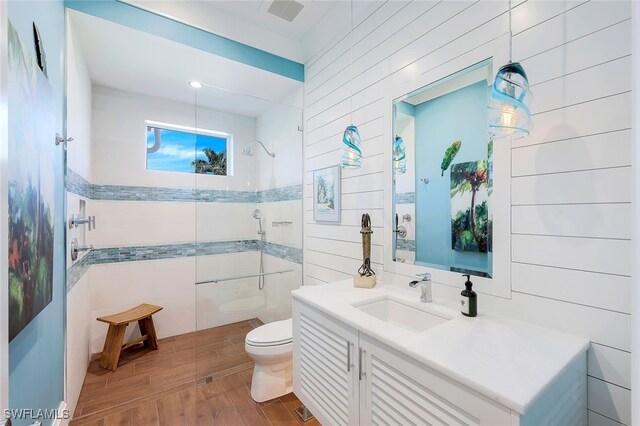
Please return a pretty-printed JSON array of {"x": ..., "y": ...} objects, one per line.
[
  {"x": 80, "y": 186},
  {"x": 406, "y": 198},
  {"x": 289, "y": 234},
  {"x": 130, "y": 223},
  {"x": 278, "y": 289},
  {"x": 112, "y": 255},
  {"x": 407, "y": 245},
  {"x": 79, "y": 323},
  {"x": 168, "y": 283},
  {"x": 77, "y": 270},
  {"x": 286, "y": 193},
  {"x": 76, "y": 184},
  {"x": 284, "y": 252},
  {"x": 225, "y": 221},
  {"x": 234, "y": 298}
]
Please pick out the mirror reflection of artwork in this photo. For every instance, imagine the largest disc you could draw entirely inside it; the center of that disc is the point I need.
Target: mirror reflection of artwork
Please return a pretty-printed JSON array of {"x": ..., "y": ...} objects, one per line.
[
  {"x": 31, "y": 187},
  {"x": 470, "y": 206},
  {"x": 326, "y": 194},
  {"x": 446, "y": 189}
]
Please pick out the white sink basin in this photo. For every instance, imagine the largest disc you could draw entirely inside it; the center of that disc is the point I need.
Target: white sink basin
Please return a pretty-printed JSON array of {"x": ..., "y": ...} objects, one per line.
[{"x": 398, "y": 313}]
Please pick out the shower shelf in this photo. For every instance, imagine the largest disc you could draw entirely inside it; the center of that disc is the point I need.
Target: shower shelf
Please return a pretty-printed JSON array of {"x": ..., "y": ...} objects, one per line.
[
  {"x": 239, "y": 277},
  {"x": 282, "y": 223}
]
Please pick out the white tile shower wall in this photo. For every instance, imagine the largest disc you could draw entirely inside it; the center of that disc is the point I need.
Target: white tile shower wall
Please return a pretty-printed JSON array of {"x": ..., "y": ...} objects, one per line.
[
  {"x": 566, "y": 186},
  {"x": 119, "y": 141},
  {"x": 119, "y": 121},
  {"x": 79, "y": 323},
  {"x": 167, "y": 282},
  {"x": 230, "y": 300},
  {"x": 119, "y": 159},
  {"x": 277, "y": 128},
  {"x": 78, "y": 348},
  {"x": 279, "y": 212},
  {"x": 277, "y": 289}
]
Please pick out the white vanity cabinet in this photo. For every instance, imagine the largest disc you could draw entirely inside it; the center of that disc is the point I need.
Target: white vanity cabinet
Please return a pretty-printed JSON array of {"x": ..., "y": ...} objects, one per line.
[
  {"x": 395, "y": 389},
  {"x": 345, "y": 377},
  {"x": 325, "y": 366}
]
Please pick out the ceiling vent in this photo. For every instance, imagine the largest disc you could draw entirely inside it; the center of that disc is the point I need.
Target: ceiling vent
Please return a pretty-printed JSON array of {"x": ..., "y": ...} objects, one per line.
[{"x": 285, "y": 9}]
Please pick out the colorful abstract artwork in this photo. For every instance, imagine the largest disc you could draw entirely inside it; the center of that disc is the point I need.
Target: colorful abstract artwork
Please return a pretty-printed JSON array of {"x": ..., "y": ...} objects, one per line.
[
  {"x": 470, "y": 217},
  {"x": 31, "y": 187}
]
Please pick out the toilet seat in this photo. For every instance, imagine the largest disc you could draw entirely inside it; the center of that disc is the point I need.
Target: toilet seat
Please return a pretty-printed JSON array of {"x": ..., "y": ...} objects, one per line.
[{"x": 276, "y": 333}]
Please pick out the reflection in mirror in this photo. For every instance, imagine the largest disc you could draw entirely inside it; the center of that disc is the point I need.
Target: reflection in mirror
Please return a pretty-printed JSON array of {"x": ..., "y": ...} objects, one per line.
[{"x": 442, "y": 168}]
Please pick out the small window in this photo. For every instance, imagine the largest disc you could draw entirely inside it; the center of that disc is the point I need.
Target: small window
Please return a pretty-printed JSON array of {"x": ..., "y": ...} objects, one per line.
[{"x": 173, "y": 148}]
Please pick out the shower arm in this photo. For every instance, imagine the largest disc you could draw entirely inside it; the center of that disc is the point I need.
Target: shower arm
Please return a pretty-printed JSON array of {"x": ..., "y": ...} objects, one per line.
[{"x": 272, "y": 154}]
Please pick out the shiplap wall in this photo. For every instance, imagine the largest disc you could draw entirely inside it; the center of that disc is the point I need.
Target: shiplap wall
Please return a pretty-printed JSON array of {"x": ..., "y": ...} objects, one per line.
[{"x": 571, "y": 179}]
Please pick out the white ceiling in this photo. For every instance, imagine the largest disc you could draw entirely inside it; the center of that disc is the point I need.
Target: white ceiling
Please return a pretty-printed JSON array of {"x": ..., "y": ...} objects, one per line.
[
  {"x": 255, "y": 12},
  {"x": 135, "y": 61},
  {"x": 246, "y": 21}
]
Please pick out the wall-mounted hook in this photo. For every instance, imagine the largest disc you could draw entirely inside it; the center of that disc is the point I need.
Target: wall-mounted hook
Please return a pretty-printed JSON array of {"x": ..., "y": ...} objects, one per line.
[
  {"x": 424, "y": 180},
  {"x": 60, "y": 139}
]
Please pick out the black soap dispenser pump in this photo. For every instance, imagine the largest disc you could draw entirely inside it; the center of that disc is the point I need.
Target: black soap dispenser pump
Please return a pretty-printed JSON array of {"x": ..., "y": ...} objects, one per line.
[{"x": 468, "y": 299}]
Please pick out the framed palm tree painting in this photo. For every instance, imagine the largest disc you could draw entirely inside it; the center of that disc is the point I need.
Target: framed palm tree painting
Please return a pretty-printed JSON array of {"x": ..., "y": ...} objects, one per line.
[{"x": 327, "y": 195}]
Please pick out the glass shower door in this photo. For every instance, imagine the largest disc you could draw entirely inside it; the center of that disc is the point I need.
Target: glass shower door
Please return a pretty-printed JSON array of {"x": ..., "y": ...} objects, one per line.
[{"x": 248, "y": 227}]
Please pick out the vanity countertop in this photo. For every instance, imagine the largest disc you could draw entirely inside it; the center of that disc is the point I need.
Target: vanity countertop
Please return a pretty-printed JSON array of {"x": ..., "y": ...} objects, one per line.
[{"x": 506, "y": 360}]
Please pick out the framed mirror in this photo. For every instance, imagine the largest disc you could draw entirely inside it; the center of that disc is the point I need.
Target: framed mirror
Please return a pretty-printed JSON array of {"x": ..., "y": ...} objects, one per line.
[
  {"x": 442, "y": 168},
  {"x": 447, "y": 203}
]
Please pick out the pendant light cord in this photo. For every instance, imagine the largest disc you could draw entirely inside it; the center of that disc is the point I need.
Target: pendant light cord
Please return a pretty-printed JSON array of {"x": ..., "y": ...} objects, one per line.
[
  {"x": 510, "y": 36},
  {"x": 351, "y": 65}
]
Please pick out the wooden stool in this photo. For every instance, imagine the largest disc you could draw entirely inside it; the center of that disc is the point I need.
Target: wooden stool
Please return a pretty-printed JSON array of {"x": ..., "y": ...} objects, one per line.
[{"x": 118, "y": 324}]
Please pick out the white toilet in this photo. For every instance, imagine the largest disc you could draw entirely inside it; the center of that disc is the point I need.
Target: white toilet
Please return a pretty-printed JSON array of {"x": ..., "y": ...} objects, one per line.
[{"x": 271, "y": 347}]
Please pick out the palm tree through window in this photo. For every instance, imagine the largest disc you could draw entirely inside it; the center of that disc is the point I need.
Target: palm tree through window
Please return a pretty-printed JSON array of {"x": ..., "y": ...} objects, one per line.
[{"x": 181, "y": 149}]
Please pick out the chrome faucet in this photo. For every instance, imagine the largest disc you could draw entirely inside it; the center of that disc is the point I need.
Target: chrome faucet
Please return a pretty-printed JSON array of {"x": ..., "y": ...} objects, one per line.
[{"x": 425, "y": 287}]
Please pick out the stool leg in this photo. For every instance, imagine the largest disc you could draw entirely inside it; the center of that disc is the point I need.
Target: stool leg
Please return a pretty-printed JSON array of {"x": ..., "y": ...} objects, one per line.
[
  {"x": 112, "y": 347},
  {"x": 147, "y": 327},
  {"x": 143, "y": 331}
]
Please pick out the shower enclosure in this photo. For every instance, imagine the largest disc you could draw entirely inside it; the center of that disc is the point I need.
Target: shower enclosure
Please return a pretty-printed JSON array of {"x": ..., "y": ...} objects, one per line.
[
  {"x": 197, "y": 197},
  {"x": 248, "y": 223}
]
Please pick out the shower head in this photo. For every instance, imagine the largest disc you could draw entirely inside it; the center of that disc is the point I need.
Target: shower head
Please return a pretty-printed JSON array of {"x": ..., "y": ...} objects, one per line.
[
  {"x": 257, "y": 214},
  {"x": 248, "y": 150}
]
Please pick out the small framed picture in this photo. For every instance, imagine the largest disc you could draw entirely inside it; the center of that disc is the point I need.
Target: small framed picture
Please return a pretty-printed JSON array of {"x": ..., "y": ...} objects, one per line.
[{"x": 327, "y": 194}]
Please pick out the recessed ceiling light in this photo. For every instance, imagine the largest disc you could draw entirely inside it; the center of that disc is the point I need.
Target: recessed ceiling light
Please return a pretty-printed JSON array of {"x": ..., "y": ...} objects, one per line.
[{"x": 195, "y": 84}]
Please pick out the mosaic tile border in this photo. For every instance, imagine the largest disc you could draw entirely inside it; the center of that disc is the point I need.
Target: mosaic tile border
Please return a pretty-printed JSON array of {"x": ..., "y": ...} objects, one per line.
[
  {"x": 406, "y": 198},
  {"x": 291, "y": 254},
  {"x": 78, "y": 269},
  {"x": 407, "y": 245},
  {"x": 171, "y": 251},
  {"x": 78, "y": 185}
]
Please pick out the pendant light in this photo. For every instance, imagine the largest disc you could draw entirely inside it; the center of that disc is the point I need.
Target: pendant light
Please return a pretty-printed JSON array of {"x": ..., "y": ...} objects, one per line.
[
  {"x": 509, "y": 112},
  {"x": 351, "y": 140},
  {"x": 399, "y": 156}
]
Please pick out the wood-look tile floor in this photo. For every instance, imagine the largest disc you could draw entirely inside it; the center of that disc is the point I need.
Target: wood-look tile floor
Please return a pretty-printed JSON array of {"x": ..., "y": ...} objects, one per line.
[{"x": 167, "y": 386}]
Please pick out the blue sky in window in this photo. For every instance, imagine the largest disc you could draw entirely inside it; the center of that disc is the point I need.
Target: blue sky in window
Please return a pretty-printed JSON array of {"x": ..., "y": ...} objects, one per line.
[{"x": 179, "y": 149}]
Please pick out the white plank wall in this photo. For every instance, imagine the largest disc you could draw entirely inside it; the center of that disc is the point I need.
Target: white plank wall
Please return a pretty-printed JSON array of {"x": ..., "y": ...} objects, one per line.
[{"x": 571, "y": 179}]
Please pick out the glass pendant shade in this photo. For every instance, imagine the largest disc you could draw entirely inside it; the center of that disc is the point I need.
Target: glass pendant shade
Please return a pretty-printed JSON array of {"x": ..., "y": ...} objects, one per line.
[
  {"x": 509, "y": 105},
  {"x": 399, "y": 156},
  {"x": 351, "y": 148}
]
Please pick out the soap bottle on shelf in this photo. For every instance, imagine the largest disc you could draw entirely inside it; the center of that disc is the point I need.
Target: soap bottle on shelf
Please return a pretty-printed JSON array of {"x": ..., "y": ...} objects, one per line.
[{"x": 469, "y": 299}]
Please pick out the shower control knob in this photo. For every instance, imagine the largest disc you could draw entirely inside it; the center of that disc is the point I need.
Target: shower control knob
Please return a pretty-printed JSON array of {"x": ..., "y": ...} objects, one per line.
[{"x": 401, "y": 231}]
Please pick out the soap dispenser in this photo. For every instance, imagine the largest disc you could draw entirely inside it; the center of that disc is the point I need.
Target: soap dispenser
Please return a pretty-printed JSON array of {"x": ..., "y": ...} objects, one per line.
[{"x": 469, "y": 299}]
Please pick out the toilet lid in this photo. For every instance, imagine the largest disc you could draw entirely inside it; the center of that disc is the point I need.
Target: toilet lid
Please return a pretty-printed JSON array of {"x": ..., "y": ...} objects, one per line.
[{"x": 274, "y": 333}]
